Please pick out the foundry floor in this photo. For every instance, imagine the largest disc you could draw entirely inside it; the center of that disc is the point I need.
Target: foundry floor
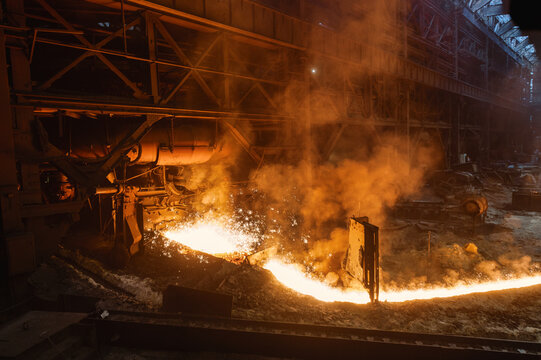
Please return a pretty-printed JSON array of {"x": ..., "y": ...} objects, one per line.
[{"x": 510, "y": 240}]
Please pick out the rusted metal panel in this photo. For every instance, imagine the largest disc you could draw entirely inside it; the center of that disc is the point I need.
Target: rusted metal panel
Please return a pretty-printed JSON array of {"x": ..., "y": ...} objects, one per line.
[
  {"x": 362, "y": 259},
  {"x": 264, "y": 21},
  {"x": 241, "y": 14},
  {"x": 196, "y": 7},
  {"x": 218, "y": 10},
  {"x": 284, "y": 28}
]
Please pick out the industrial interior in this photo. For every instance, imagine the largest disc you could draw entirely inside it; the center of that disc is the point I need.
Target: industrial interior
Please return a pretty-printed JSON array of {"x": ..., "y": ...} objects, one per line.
[{"x": 270, "y": 179}]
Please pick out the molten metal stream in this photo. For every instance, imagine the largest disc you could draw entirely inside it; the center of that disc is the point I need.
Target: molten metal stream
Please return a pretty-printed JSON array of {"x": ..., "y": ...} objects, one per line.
[
  {"x": 215, "y": 238},
  {"x": 291, "y": 276},
  {"x": 212, "y": 238}
]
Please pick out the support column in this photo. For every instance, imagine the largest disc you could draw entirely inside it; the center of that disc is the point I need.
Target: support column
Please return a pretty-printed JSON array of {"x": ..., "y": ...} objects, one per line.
[
  {"x": 307, "y": 121},
  {"x": 24, "y": 116},
  {"x": 11, "y": 220},
  {"x": 17, "y": 253},
  {"x": 455, "y": 38},
  {"x": 151, "y": 38},
  {"x": 408, "y": 123},
  {"x": 227, "y": 79},
  {"x": 487, "y": 136},
  {"x": 455, "y": 113},
  {"x": 16, "y": 248}
]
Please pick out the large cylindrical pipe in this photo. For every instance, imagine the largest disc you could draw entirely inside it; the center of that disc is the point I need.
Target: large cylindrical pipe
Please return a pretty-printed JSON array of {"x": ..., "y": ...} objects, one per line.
[
  {"x": 184, "y": 145},
  {"x": 170, "y": 141}
]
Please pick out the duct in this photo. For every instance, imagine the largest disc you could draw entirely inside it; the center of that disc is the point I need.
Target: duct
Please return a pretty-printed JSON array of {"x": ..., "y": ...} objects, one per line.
[
  {"x": 178, "y": 145},
  {"x": 138, "y": 191},
  {"x": 177, "y": 155},
  {"x": 106, "y": 190},
  {"x": 167, "y": 143}
]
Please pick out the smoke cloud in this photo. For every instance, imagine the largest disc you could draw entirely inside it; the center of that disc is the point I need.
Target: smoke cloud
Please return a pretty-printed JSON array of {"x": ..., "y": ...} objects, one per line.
[{"x": 305, "y": 198}]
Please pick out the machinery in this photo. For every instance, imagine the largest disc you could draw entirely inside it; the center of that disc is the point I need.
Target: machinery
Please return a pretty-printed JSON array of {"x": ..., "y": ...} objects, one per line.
[
  {"x": 109, "y": 104},
  {"x": 144, "y": 178}
]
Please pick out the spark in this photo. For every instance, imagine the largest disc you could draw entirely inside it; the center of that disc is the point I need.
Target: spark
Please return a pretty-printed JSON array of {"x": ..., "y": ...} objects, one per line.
[
  {"x": 212, "y": 238},
  {"x": 294, "y": 278},
  {"x": 227, "y": 237}
]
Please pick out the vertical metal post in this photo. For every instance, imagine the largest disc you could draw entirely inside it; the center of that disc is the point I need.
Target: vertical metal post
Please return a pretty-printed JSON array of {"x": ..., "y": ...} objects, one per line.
[
  {"x": 114, "y": 215},
  {"x": 302, "y": 9},
  {"x": 455, "y": 113},
  {"x": 428, "y": 257},
  {"x": 308, "y": 122},
  {"x": 123, "y": 206},
  {"x": 24, "y": 115},
  {"x": 289, "y": 130},
  {"x": 100, "y": 213},
  {"x": 362, "y": 259},
  {"x": 486, "y": 61},
  {"x": 404, "y": 9},
  {"x": 17, "y": 248},
  {"x": 458, "y": 120},
  {"x": 455, "y": 26},
  {"x": 488, "y": 129},
  {"x": 124, "y": 26},
  {"x": 227, "y": 79},
  {"x": 9, "y": 199},
  {"x": 151, "y": 38},
  {"x": 408, "y": 120},
  {"x": 164, "y": 176}
]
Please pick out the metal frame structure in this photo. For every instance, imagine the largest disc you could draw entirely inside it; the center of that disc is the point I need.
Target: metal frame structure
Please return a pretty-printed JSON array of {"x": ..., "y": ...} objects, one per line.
[{"x": 280, "y": 76}]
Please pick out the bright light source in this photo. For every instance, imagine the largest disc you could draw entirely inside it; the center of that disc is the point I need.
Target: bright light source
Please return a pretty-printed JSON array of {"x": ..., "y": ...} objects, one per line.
[{"x": 313, "y": 70}]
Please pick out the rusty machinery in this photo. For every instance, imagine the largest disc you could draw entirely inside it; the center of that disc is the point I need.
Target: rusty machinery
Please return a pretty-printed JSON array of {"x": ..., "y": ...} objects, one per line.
[
  {"x": 60, "y": 69},
  {"x": 145, "y": 177}
]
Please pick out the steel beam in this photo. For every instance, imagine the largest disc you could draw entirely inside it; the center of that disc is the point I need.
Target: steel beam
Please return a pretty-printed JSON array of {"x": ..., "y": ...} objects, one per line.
[
  {"x": 47, "y": 84},
  {"x": 137, "y": 92},
  {"x": 446, "y": 83},
  {"x": 241, "y": 139},
  {"x": 180, "y": 54}
]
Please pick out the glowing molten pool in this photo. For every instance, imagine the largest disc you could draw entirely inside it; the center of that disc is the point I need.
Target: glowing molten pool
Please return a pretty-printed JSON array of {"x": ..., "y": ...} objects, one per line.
[
  {"x": 216, "y": 238},
  {"x": 291, "y": 276}
]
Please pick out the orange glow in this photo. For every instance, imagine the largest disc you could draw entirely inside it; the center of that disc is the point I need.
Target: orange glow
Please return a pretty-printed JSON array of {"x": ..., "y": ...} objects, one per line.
[
  {"x": 212, "y": 238},
  {"x": 291, "y": 276},
  {"x": 215, "y": 238}
]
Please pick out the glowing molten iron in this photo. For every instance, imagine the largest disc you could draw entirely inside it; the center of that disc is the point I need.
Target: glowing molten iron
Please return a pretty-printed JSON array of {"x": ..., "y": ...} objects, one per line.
[
  {"x": 291, "y": 276},
  {"x": 212, "y": 238},
  {"x": 217, "y": 239}
]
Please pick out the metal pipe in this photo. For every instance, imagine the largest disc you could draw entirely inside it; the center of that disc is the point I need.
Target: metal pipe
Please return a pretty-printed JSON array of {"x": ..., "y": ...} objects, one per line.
[
  {"x": 55, "y": 31},
  {"x": 144, "y": 193},
  {"x": 147, "y": 109},
  {"x": 106, "y": 190}
]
